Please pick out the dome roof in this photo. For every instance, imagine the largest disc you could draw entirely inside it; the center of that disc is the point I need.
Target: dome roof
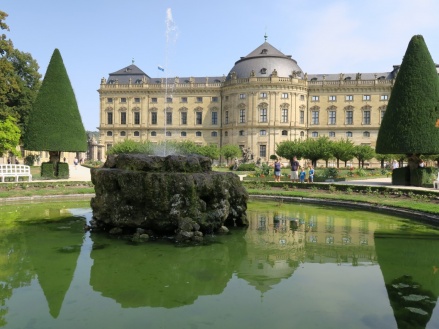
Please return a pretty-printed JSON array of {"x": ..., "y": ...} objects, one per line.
[{"x": 262, "y": 61}]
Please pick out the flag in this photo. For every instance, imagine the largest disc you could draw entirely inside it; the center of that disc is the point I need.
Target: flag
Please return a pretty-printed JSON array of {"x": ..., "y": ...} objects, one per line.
[{"x": 161, "y": 68}]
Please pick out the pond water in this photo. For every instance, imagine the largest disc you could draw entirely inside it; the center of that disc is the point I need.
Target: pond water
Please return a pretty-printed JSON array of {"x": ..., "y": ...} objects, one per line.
[{"x": 295, "y": 266}]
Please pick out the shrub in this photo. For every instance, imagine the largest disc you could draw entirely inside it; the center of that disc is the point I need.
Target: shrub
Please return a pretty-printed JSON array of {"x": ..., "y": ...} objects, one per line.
[
  {"x": 331, "y": 173},
  {"x": 246, "y": 167},
  {"x": 63, "y": 170},
  {"x": 47, "y": 170}
]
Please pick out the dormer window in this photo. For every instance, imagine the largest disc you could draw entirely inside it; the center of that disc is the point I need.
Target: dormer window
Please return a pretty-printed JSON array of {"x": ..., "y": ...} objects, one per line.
[
  {"x": 264, "y": 51},
  {"x": 347, "y": 78},
  {"x": 263, "y": 70},
  {"x": 314, "y": 79}
]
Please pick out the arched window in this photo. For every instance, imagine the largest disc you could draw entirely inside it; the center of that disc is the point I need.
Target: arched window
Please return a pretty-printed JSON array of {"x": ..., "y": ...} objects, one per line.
[
  {"x": 241, "y": 133},
  {"x": 315, "y": 134},
  {"x": 214, "y": 134},
  {"x": 366, "y": 134},
  {"x": 262, "y": 133},
  {"x": 123, "y": 133},
  {"x": 109, "y": 133},
  {"x": 284, "y": 133},
  {"x": 153, "y": 133},
  {"x": 198, "y": 133},
  {"x": 183, "y": 134},
  {"x": 302, "y": 134},
  {"x": 136, "y": 134},
  {"x": 168, "y": 134},
  {"x": 332, "y": 134},
  {"x": 226, "y": 133},
  {"x": 349, "y": 134}
]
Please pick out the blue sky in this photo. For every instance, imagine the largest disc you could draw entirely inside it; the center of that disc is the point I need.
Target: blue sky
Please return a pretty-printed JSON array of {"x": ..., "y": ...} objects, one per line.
[{"x": 97, "y": 37}]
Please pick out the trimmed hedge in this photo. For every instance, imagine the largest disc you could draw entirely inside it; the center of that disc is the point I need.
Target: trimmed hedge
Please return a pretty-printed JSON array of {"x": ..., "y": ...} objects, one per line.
[
  {"x": 423, "y": 176},
  {"x": 401, "y": 176},
  {"x": 47, "y": 170},
  {"x": 63, "y": 170}
]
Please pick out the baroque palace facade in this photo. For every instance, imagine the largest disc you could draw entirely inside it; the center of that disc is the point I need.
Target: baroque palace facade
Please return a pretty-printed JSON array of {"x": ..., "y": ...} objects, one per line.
[{"x": 265, "y": 99}]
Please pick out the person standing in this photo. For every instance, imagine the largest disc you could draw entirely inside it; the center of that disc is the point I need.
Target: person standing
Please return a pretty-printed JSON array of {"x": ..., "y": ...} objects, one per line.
[
  {"x": 302, "y": 175},
  {"x": 75, "y": 162},
  {"x": 311, "y": 174},
  {"x": 294, "y": 169},
  {"x": 277, "y": 170}
]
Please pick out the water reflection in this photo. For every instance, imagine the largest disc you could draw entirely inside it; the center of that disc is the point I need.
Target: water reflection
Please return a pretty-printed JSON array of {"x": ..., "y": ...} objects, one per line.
[{"x": 315, "y": 265}]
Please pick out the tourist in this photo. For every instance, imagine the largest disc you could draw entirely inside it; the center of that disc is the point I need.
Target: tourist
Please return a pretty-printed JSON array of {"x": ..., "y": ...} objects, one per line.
[
  {"x": 395, "y": 164},
  {"x": 302, "y": 175},
  {"x": 277, "y": 170},
  {"x": 311, "y": 174},
  {"x": 75, "y": 162},
  {"x": 294, "y": 168}
]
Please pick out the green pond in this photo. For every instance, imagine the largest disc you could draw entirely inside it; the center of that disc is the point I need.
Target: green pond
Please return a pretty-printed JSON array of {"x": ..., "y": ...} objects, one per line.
[{"x": 295, "y": 266}]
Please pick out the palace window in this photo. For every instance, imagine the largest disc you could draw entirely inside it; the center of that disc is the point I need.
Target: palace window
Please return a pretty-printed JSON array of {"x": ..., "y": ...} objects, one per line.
[
  {"x": 123, "y": 100},
  {"x": 302, "y": 97},
  {"x": 136, "y": 99},
  {"x": 198, "y": 118},
  {"x": 262, "y": 151},
  {"x": 284, "y": 96},
  {"x": 215, "y": 99},
  {"x": 183, "y": 117},
  {"x": 366, "y": 134},
  {"x": 284, "y": 133},
  {"x": 123, "y": 133},
  {"x": 314, "y": 117},
  {"x": 366, "y": 97},
  {"x": 284, "y": 115},
  {"x": 226, "y": 118},
  {"x": 168, "y": 134},
  {"x": 110, "y": 100},
  {"x": 302, "y": 117},
  {"x": 214, "y": 118},
  {"x": 331, "y": 134},
  {"x": 349, "y": 98},
  {"x": 137, "y": 118},
  {"x": 109, "y": 133},
  {"x": 136, "y": 134},
  {"x": 382, "y": 114},
  {"x": 384, "y": 97},
  {"x": 198, "y": 133},
  {"x": 184, "y": 100},
  {"x": 332, "y": 117},
  {"x": 315, "y": 134},
  {"x": 169, "y": 118},
  {"x": 153, "y": 133},
  {"x": 241, "y": 133},
  {"x": 183, "y": 134},
  {"x": 242, "y": 96},
  {"x": 226, "y": 133},
  {"x": 302, "y": 134},
  {"x": 349, "y": 134},
  {"x": 199, "y": 99},
  {"x": 123, "y": 118},
  {"x": 214, "y": 134},
  {"x": 262, "y": 95},
  {"x": 262, "y": 133},
  {"x": 349, "y": 117},
  {"x": 332, "y": 98},
  {"x": 263, "y": 115},
  {"x": 153, "y": 118},
  {"x": 110, "y": 118},
  {"x": 168, "y": 99},
  {"x": 314, "y": 98},
  {"x": 242, "y": 116},
  {"x": 366, "y": 117},
  {"x": 154, "y": 100}
]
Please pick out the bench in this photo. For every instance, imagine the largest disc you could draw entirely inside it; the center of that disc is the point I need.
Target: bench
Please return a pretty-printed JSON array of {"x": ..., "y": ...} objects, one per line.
[{"x": 14, "y": 170}]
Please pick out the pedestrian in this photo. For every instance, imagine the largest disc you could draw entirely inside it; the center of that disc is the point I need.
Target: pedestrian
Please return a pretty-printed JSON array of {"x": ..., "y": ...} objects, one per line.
[
  {"x": 64, "y": 159},
  {"x": 311, "y": 174},
  {"x": 395, "y": 164},
  {"x": 302, "y": 175},
  {"x": 294, "y": 169},
  {"x": 277, "y": 170},
  {"x": 75, "y": 162}
]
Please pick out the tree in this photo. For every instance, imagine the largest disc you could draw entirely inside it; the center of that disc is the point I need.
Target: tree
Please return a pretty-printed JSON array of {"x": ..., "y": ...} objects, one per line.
[
  {"x": 289, "y": 149},
  {"x": 55, "y": 123},
  {"x": 343, "y": 150},
  {"x": 383, "y": 158},
  {"x": 410, "y": 124},
  {"x": 9, "y": 136},
  {"x": 230, "y": 151},
  {"x": 316, "y": 149},
  {"x": 363, "y": 153},
  {"x": 19, "y": 79},
  {"x": 210, "y": 151}
]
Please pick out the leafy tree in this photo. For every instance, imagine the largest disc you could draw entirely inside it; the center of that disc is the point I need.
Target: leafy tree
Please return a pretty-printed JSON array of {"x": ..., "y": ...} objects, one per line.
[
  {"x": 55, "y": 123},
  {"x": 363, "y": 153},
  {"x": 230, "y": 151},
  {"x": 289, "y": 149},
  {"x": 316, "y": 149},
  {"x": 410, "y": 124},
  {"x": 19, "y": 79},
  {"x": 130, "y": 146},
  {"x": 343, "y": 150},
  {"x": 9, "y": 136},
  {"x": 210, "y": 151},
  {"x": 383, "y": 158}
]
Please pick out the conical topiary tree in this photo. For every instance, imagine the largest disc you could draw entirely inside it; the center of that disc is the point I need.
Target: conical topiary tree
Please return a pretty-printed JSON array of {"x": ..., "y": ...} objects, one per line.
[
  {"x": 410, "y": 124},
  {"x": 55, "y": 123}
]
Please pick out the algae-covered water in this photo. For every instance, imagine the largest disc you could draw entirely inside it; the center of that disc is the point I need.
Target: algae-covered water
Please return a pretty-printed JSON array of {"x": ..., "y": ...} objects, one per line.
[{"x": 296, "y": 266}]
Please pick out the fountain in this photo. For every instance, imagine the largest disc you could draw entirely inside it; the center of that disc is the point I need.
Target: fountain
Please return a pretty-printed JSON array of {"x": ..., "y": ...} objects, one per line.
[{"x": 144, "y": 196}]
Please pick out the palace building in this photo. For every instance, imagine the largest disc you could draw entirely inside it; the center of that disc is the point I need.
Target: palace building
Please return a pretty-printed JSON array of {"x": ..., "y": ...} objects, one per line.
[{"x": 265, "y": 99}]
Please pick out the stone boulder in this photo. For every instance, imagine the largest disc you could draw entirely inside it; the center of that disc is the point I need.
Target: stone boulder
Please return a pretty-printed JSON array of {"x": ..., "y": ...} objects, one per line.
[{"x": 174, "y": 195}]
